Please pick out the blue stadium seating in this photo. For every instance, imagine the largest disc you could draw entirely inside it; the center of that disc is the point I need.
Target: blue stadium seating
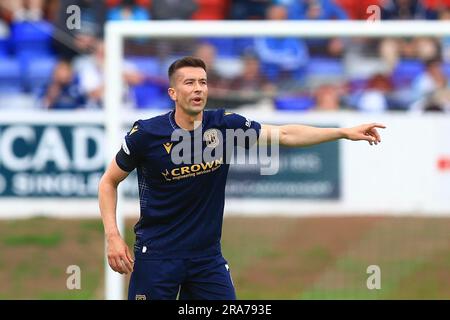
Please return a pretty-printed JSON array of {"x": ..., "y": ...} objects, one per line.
[
  {"x": 32, "y": 37},
  {"x": 148, "y": 65},
  {"x": 244, "y": 45},
  {"x": 324, "y": 67},
  {"x": 357, "y": 84},
  {"x": 4, "y": 47},
  {"x": 270, "y": 70},
  {"x": 405, "y": 71},
  {"x": 10, "y": 75},
  {"x": 224, "y": 46},
  {"x": 446, "y": 70},
  {"x": 39, "y": 72},
  {"x": 294, "y": 103},
  {"x": 149, "y": 95},
  {"x": 231, "y": 47},
  {"x": 322, "y": 70}
]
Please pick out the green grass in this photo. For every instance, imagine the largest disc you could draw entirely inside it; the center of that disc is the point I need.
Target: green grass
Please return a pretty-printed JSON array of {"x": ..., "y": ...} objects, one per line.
[
  {"x": 40, "y": 240},
  {"x": 268, "y": 257},
  {"x": 92, "y": 225},
  {"x": 66, "y": 295}
]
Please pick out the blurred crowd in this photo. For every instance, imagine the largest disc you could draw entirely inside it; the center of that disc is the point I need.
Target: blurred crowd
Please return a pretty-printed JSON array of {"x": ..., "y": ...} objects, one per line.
[{"x": 52, "y": 56}]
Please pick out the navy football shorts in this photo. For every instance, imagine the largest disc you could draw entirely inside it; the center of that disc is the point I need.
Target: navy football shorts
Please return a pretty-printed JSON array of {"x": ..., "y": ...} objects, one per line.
[{"x": 206, "y": 278}]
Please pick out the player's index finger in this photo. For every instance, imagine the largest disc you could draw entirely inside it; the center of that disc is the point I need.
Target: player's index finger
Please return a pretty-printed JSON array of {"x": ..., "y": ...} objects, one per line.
[{"x": 378, "y": 125}]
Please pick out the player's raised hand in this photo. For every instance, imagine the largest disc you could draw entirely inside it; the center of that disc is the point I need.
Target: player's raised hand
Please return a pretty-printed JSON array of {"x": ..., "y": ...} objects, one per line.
[
  {"x": 366, "y": 132},
  {"x": 119, "y": 256}
]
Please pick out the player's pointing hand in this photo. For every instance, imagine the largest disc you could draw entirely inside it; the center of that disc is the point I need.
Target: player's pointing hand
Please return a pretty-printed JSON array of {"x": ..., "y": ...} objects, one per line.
[{"x": 366, "y": 132}]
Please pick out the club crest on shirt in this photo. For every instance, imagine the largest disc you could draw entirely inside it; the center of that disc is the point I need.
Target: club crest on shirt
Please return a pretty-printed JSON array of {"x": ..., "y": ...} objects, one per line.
[
  {"x": 211, "y": 137},
  {"x": 168, "y": 146},
  {"x": 141, "y": 297}
]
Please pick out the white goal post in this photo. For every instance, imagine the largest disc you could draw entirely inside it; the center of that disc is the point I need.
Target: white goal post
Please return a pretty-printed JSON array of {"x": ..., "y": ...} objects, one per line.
[{"x": 116, "y": 31}]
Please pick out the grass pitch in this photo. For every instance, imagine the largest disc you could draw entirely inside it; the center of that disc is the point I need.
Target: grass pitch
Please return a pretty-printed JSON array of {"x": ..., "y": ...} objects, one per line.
[{"x": 270, "y": 257}]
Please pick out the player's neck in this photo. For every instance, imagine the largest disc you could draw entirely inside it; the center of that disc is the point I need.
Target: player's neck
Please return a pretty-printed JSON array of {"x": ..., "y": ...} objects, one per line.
[{"x": 187, "y": 121}]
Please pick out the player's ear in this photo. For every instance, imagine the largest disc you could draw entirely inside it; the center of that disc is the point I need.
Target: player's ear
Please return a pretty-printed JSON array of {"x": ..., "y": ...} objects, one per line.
[{"x": 172, "y": 94}]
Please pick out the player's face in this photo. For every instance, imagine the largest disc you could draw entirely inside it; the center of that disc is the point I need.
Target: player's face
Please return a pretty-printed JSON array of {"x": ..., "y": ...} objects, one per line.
[{"x": 190, "y": 90}]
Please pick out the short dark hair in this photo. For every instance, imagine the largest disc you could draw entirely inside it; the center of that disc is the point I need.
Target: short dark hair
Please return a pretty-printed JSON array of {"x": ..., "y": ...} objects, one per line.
[{"x": 185, "y": 62}]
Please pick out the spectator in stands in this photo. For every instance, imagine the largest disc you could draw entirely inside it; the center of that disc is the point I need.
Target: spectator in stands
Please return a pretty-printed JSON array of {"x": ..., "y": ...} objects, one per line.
[
  {"x": 313, "y": 9},
  {"x": 217, "y": 84},
  {"x": 252, "y": 85},
  {"x": 285, "y": 55},
  {"x": 249, "y": 9},
  {"x": 392, "y": 50},
  {"x": 402, "y": 10},
  {"x": 431, "y": 80},
  {"x": 172, "y": 9},
  {"x": 438, "y": 101},
  {"x": 4, "y": 34},
  {"x": 70, "y": 43},
  {"x": 327, "y": 97},
  {"x": 211, "y": 10},
  {"x": 376, "y": 96},
  {"x": 90, "y": 70},
  {"x": 357, "y": 10},
  {"x": 62, "y": 92},
  {"x": 134, "y": 11},
  {"x": 24, "y": 10},
  {"x": 128, "y": 10},
  {"x": 4, "y": 14},
  {"x": 444, "y": 15},
  {"x": 317, "y": 10},
  {"x": 434, "y": 8}
]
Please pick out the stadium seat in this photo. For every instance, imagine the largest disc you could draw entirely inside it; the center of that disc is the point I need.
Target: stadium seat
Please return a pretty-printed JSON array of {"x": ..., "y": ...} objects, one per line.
[
  {"x": 231, "y": 47},
  {"x": 270, "y": 70},
  {"x": 39, "y": 72},
  {"x": 4, "y": 47},
  {"x": 357, "y": 84},
  {"x": 150, "y": 96},
  {"x": 148, "y": 65},
  {"x": 32, "y": 37},
  {"x": 405, "y": 71},
  {"x": 320, "y": 70},
  {"x": 356, "y": 87},
  {"x": 225, "y": 47},
  {"x": 244, "y": 45},
  {"x": 294, "y": 103},
  {"x": 325, "y": 66},
  {"x": 10, "y": 75},
  {"x": 446, "y": 70}
]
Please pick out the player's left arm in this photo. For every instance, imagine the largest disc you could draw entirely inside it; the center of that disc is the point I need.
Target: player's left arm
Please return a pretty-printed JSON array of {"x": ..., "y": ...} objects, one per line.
[{"x": 296, "y": 135}]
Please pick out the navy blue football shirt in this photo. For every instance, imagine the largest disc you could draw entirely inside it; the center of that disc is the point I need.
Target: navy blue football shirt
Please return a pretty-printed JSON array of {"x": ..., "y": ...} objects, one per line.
[{"x": 181, "y": 203}]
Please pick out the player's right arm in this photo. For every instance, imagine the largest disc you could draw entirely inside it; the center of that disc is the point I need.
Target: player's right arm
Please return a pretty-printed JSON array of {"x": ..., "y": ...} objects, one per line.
[{"x": 118, "y": 253}]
